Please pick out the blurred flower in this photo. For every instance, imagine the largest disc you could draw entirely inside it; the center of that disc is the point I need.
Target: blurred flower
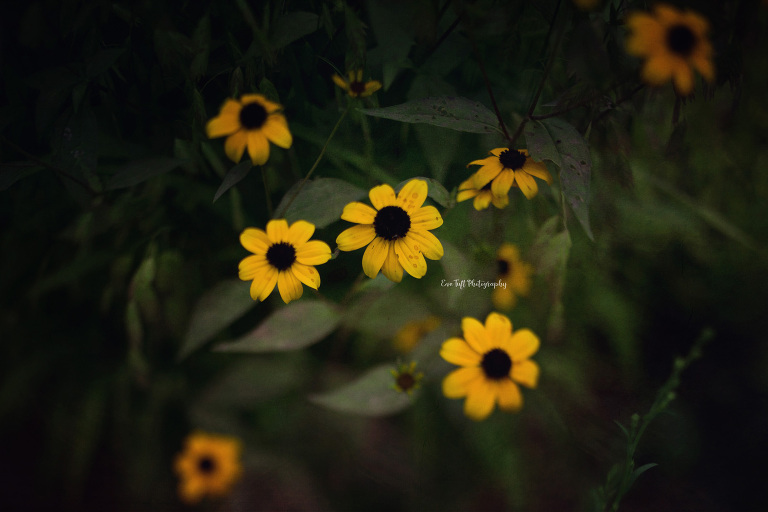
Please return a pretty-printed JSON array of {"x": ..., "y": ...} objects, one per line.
[
  {"x": 407, "y": 379},
  {"x": 586, "y": 5},
  {"x": 282, "y": 256},
  {"x": 397, "y": 229},
  {"x": 506, "y": 167},
  {"x": 481, "y": 192},
  {"x": 355, "y": 86},
  {"x": 209, "y": 465},
  {"x": 252, "y": 122},
  {"x": 515, "y": 273},
  {"x": 672, "y": 42},
  {"x": 412, "y": 332},
  {"x": 494, "y": 361}
]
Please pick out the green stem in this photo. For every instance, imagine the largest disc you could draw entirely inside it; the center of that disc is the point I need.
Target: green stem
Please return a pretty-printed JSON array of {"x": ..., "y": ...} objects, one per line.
[
  {"x": 490, "y": 89},
  {"x": 317, "y": 161}
]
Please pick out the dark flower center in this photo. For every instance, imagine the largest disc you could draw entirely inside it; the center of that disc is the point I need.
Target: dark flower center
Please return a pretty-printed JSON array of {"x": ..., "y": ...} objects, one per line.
[
  {"x": 206, "y": 465},
  {"x": 512, "y": 159},
  {"x": 504, "y": 267},
  {"x": 405, "y": 381},
  {"x": 391, "y": 223},
  {"x": 281, "y": 255},
  {"x": 252, "y": 116},
  {"x": 487, "y": 186},
  {"x": 681, "y": 40},
  {"x": 496, "y": 364},
  {"x": 357, "y": 87}
]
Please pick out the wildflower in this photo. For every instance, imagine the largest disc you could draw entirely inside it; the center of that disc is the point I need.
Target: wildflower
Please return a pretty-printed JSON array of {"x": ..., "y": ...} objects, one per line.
[
  {"x": 511, "y": 166},
  {"x": 396, "y": 231},
  {"x": 209, "y": 465},
  {"x": 355, "y": 86},
  {"x": 251, "y": 122},
  {"x": 516, "y": 275},
  {"x": 407, "y": 379},
  {"x": 673, "y": 43},
  {"x": 481, "y": 192},
  {"x": 282, "y": 256},
  {"x": 412, "y": 332},
  {"x": 494, "y": 361}
]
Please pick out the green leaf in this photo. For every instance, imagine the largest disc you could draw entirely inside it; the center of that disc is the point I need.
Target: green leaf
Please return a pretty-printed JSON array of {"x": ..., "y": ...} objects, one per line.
[
  {"x": 218, "y": 308},
  {"x": 436, "y": 191},
  {"x": 559, "y": 142},
  {"x": 293, "y": 327},
  {"x": 320, "y": 201},
  {"x": 369, "y": 395},
  {"x": 138, "y": 171},
  {"x": 456, "y": 113},
  {"x": 12, "y": 172},
  {"x": 438, "y": 147},
  {"x": 639, "y": 471},
  {"x": 292, "y": 26},
  {"x": 233, "y": 177},
  {"x": 102, "y": 61}
]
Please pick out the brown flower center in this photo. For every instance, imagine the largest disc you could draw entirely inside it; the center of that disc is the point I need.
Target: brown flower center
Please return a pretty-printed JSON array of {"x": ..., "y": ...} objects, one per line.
[
  {"x": 405, "y": 381},
  {"x": 681, "y": 40},
  {"x": 357, "y": 88},
  {"x": 253, "y": 116},
  {"x": 512, "y": 159},
  {"x": 281, "y": 255},
  {"x": 391, "y": 223},
  {"x": 206, "y": 464},
  {"x": 504, "y": 267},
  {"x": 496, "y": 364}
]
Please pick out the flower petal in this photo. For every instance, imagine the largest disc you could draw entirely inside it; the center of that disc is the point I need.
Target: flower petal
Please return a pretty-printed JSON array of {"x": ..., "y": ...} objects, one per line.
[
  {"x": 340, "y": 82},
  {"x": 306, "y": 274},
  {"x": 314, "y": 252},
  {"x": 412, "y": 195},
  {"x": 527, "y": 184},
  {"x": 526, "y": 373},
  {"x": 483, "y": 200},
  {"x": 412, "y": 261},
  {"x": 358, "y": 212},
  {"x": 474, "y": 333},
  {"x": 235, "y": 144},
  {"x": 355, "y": 237},
  {"x": 374, "y": 256},
  {"x": 222, "y": 125},
  {"x": 300, "y": 232},
  {"x": 251, "y": 266},
  {"x": 538, "y": 169},
  {"x": 509, "y": 396},
  {"x": 658, "y": 68},
  {"x": 370, "y": 88},
  {"x": 264, "y": 283},
  {"x": 277, "y": 230},
  {"x": 683, "y": 79},
  {"x": 382, "y": 196},
  {"x": 426, "y": 217},
  {"x": 255, "y": 240},
  {"x": 289, "y": 286},
  {"x": 457, "y": 383},
  {"x": 276, "y": 130},
  {"x": 503, "y": 298},
  {"x": 392, "y": 268},
  {"x": 523, "y": 345},
  {"x": 457, "y": 351},
  {"x": 269, "y": 106},
  {"x": 480, "y": 400},
  {"x": 502, "y": 183},
  {"x": 486, "y": 173},
  {"x": 499, "y": 329},
  {"x": 258, "y": 147},
  {"x": 426, "y": 243}
]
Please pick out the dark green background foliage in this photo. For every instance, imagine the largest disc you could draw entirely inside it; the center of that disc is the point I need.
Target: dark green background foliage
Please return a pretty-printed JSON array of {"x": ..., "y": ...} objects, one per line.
[{"x": 119, "y": 295}]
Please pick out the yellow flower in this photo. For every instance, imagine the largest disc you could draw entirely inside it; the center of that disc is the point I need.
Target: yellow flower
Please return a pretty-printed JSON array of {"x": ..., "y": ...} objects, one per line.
[
  {"x": 355, "y": 86},
  {"x": 481, "y": 192},
  {"x": 411, "y": 333},
  {"x": 282, "y": 256},
  {"x": 407, "y": 379},
  {"x": 397, "y": 229},
  {"x": 514, "y": 273},
  {"x": 494, "y": 361},
  {"x": 252, "y": 122},
  {"x": 506, "y": 167},
  {"x": 209, "y": 465},
  {"x": 673, "y": 43}
]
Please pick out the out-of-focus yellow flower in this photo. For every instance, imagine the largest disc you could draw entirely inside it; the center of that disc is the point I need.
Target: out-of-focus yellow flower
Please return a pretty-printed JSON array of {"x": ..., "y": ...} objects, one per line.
[
  {"x": 506, "y": 167},
  {"x": 209, "y": 465},
  {"x": 482, "y": 193},
  {"x": 514, "y": 273},
  {"x": 407, "y": 379},
  {"x": 355, "y": 86},
  {"x": 412, "y": 332},
  {"x": 586, "y": 5}
]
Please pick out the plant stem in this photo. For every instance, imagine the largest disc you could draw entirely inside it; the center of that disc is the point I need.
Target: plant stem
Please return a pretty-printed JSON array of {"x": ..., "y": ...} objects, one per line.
[
  {"x": 317, "y": 161},
  {"x": 490, "y": 89}
]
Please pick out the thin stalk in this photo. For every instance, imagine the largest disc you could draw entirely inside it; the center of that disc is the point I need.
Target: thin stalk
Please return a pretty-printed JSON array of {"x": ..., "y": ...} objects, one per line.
[
  {"x": 490, "y": 89},
  {"x": 317, "y": 160}
]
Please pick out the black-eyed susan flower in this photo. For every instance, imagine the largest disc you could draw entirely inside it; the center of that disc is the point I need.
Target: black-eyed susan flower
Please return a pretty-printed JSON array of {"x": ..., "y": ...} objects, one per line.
[
  {"x": 472, "y": 187},
  {"x": 411, "y": 333},
  {"x": 506, "y": 167},
  {"x": 673, "y": 44},
  {"x": 251, "y": 122},
  {"x": 407, "y": 379},
  {"x": 396, "y": 231},
  {"x": 355, "y": 86},
  {"x": 284, "y": 256},
  {"x": 514, "y": 273},
  {"x": 493, "y": 361},
  {"x": 208, "y": 466}
]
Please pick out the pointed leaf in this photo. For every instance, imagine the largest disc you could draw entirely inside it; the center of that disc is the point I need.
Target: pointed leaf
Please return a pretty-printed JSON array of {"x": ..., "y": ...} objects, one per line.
[
  {"x": 320, "y": 201},
  {"x": 138, "y": 171},
  {"x": 233, "y": 177},
  {"x": 457, "y": 113},
  {"x": 292, "y": 26},
  {"x": 371, "y": 394},
  {"x": 293, "y": 327},
  {"x": 218, "y": 308},
  {"x": 559, "y": 142}
]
